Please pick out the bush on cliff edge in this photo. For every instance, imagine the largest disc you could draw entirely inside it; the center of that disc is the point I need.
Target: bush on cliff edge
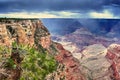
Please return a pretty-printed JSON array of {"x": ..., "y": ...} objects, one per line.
[{"x": 35, "y": 65}]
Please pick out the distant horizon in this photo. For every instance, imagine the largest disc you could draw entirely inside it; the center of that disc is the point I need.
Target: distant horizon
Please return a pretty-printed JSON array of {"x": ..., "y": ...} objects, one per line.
[{"x": 51, "y": 18}]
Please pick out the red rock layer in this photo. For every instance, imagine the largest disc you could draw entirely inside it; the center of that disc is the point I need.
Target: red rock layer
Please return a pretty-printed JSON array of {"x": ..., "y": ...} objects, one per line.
[
  {"x": 72, "y": 70},
  {"x": 113, "y": 55}
]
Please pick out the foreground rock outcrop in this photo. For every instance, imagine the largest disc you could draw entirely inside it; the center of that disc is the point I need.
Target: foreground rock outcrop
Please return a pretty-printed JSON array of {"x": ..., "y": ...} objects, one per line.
[{"x": 35, "y": 34}]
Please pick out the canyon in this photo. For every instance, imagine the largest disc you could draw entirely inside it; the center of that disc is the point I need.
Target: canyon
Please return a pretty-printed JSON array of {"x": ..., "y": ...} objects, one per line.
[
  {"x": 92, "y": 49},
  {"x": 79, "y": 55}
]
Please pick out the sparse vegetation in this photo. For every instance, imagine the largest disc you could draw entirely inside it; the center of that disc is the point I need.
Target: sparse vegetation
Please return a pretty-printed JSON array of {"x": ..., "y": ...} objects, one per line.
[
  {"x": 35, "y": 65},
  {"x": 4, "y": 54}
]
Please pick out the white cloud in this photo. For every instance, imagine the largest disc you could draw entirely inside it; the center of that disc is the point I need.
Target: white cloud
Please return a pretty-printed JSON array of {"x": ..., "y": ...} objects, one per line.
[
  {"x": 27, "y": 15},
  {"x": 104, "y": 14},
  {"x": 61, "y": 14},
  {"x": 67, "y": 14}
]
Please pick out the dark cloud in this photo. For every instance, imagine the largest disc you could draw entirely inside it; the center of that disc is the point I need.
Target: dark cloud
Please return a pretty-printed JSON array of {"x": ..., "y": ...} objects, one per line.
[
  {"x": 115, "y": 10},
  {"x": 54, "y": 5},
  {"x": 117, "y": 2},
  {"x": 77, "y": 6}
]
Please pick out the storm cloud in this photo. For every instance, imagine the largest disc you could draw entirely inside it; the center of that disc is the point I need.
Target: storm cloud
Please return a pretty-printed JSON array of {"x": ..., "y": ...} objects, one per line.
[{"x": 73, "y": 6}]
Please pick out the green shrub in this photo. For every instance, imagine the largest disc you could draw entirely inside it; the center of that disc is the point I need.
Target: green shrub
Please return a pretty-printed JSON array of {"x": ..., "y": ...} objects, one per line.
[
  {"x": 36, "y": 65},
  {"x": 4, "y": 53}
]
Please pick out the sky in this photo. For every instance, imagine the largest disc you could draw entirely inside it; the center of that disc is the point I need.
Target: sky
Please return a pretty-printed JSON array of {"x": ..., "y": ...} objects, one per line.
[{"x": 60, "y": 8}]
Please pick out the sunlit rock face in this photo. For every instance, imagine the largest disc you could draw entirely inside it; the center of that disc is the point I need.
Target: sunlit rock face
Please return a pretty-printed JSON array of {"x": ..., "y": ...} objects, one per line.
[
  {"x": 4, "y": 37},
  {"x": 42, "y": 35},
  {"x": 25, "y": 32}
]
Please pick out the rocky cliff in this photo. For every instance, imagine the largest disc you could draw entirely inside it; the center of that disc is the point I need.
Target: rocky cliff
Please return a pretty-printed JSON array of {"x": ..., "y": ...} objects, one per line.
[
  {"x": 35, "y": 34},
  {"x": 25, "y": 32}
]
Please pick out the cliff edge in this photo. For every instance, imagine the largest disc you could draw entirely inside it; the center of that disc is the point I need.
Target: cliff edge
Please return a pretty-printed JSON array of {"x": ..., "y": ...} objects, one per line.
[{"x": 33, "y": 33}]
